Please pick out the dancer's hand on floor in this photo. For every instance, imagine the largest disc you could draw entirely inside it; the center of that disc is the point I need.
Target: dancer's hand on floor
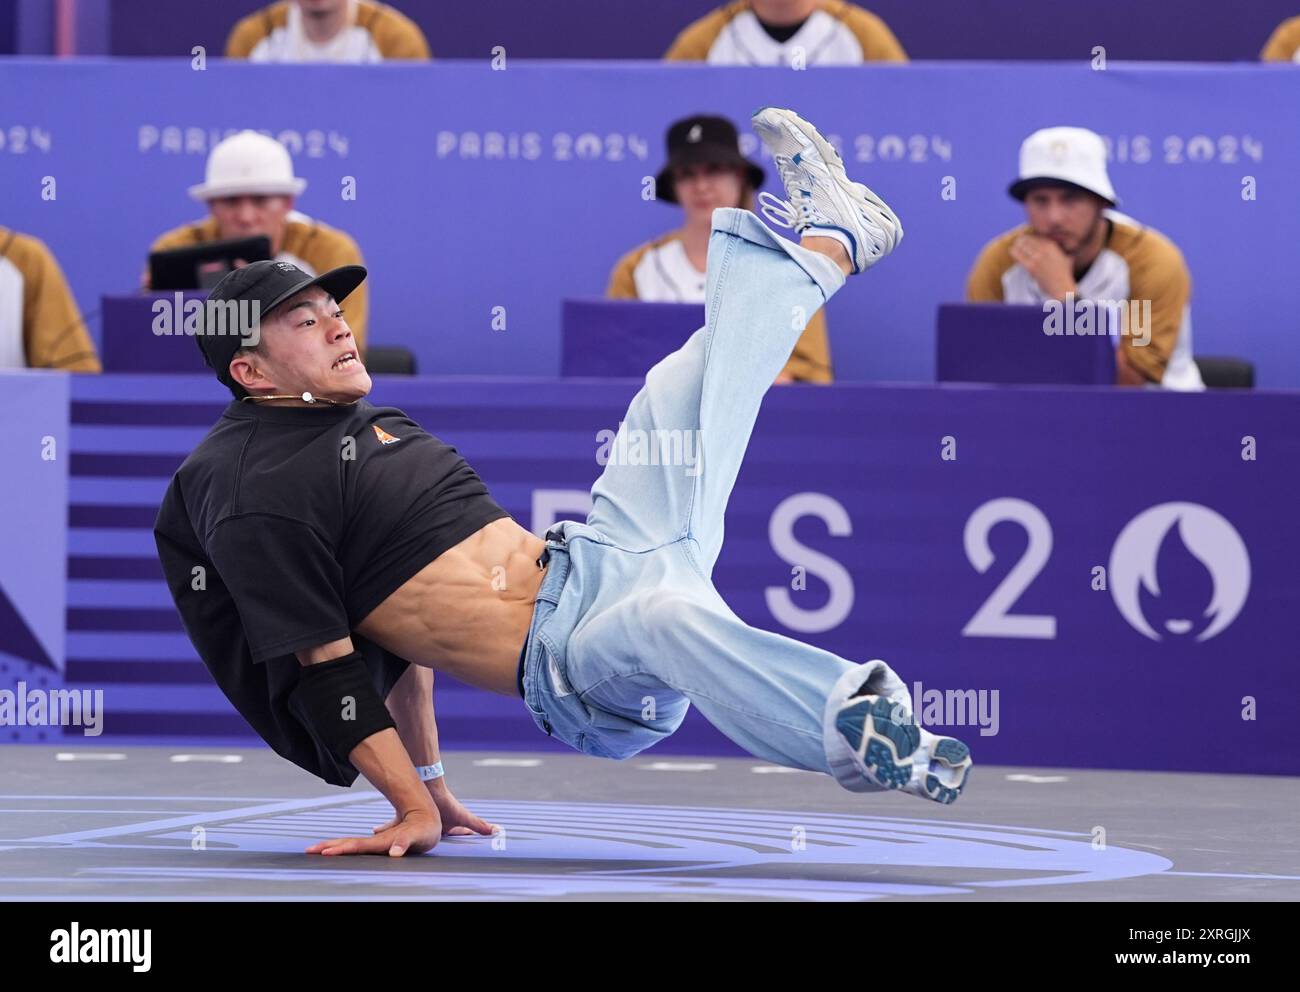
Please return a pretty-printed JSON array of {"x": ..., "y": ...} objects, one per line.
[
  {"x": 457, "y": 820},
  {"x": 416, "y": 832}
]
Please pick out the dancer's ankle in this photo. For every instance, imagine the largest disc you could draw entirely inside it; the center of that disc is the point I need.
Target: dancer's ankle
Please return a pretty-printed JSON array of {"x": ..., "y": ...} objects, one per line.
[{"x": 831, "y": 248}]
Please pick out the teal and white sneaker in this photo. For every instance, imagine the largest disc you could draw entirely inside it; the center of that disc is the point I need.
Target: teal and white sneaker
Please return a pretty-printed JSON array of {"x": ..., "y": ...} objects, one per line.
[
  {"x": 940, "y": 768},
  {"x": 873, "y": 742},
  {"x": 882, "y": 738},
  {"x": 823, "y": 200}
]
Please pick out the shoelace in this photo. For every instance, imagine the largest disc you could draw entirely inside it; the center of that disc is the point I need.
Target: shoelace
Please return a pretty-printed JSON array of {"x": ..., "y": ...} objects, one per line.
[
  {"x": 781, "y": 212},
  {"x": 883, "y": 232}
]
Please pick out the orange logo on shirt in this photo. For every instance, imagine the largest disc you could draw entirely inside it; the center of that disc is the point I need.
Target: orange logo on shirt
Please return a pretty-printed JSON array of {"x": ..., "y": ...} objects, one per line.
[{"x": 384, "y": 436}]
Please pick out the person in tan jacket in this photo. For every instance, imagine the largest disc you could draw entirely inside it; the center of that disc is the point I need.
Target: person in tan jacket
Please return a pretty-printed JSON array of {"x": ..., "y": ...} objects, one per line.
[
  {"x": 1284, "y": 43},
  {"x": 1076, "y": 248},
  {"x": 705, "y": 170},
  {"x": 354, "y": 31},
  {"x": 787, "y": 32},
  {"x": 40, "y": 325},
  {"x": 250, "y": 190}
]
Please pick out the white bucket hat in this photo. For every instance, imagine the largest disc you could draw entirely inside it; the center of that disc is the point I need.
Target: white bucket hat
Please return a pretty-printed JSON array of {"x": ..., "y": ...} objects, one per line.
[
  {"x": 248, "y": 164},
  {"x": 1072, "y": 155}
]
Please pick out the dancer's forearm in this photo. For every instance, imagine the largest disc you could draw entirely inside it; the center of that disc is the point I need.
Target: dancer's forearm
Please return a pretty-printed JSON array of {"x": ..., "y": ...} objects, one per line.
[
  {"x": 386, "y": 758},
  {"x": 384, "y": 762},
  {"x": 411, "y": 706}
]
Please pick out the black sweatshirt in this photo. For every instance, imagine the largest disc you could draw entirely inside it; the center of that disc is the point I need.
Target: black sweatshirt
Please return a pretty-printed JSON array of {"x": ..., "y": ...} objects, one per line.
[{"x": 286, "y": 527}]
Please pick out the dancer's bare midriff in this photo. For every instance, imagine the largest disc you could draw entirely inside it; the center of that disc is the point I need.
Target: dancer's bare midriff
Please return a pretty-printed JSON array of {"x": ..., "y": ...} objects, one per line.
[{"x": 467, "y": 612}]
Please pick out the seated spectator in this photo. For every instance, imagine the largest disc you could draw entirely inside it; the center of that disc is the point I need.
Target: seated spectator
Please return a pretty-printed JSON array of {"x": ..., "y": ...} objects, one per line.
[
  {"x": 705, "y": 170},
  {"x": 40, "y": 325},
  {"x": 250, "y": 190},
  {"x": 1076, "y": 247},
  {"x": 786, "y": 32},
  {"x": 327, "y": 31},
  {"x": 1284, "y": 43}
]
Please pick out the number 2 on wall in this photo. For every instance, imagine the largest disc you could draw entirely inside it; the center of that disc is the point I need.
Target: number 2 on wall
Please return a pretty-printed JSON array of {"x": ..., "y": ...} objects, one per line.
[{"x": 992, "y": 619}]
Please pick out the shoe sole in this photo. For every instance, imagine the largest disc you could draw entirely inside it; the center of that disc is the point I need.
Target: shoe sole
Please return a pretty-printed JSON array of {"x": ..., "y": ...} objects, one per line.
[
  {"x": 889, "y": 742},
  {"x": 955, "y": 755}
]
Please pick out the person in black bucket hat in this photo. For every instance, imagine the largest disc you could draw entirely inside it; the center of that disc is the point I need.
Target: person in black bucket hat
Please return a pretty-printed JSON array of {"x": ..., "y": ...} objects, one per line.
[
  {"x": 699, "y": 142},
  {"x": 705, "y": 170}
]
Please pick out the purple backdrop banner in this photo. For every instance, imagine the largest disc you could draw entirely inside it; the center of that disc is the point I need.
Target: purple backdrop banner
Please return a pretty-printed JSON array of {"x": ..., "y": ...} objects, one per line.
[
  {"x": 483, "y": 199},
  {"x": 1062, "y": 576}
]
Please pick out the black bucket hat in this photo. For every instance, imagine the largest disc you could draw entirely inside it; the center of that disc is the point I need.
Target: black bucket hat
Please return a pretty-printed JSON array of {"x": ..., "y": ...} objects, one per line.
[
  {"x": 267, "y": 283},
  {"x": 703, "y": 140}
]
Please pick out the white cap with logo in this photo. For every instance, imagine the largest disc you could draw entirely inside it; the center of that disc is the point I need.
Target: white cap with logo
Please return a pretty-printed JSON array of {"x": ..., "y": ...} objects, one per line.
[
  {"x": 1072, "y": 155},
  {"x": 248, "y": 164}
]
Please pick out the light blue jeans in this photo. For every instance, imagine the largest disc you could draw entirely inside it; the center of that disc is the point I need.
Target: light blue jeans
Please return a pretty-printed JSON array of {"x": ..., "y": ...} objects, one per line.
[{"x": 629, "y": 631}]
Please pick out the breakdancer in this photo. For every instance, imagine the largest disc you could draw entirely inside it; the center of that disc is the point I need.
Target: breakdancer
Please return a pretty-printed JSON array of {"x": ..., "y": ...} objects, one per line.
[{"x": 327, "y": 555}]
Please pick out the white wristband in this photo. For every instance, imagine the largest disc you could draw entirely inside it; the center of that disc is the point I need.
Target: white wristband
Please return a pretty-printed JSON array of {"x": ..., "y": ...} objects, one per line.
[{"x": 429, "y": 772}]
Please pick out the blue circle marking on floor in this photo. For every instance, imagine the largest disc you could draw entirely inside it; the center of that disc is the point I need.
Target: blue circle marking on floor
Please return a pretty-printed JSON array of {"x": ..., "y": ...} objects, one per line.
[{"x": 554, "y": 849}]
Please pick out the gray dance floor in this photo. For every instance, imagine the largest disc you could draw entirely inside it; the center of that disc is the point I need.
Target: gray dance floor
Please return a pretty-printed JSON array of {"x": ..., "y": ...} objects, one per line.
[{"x": 169, "y": 823}]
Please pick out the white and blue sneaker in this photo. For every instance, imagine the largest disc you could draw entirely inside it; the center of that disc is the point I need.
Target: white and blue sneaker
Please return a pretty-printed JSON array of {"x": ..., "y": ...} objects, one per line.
[
  {"x": 882, "y": 738},
  {"x": 824, "y": 202},
  {"x": 873, "y": 742},
  {"x": 940, "y": 768}
]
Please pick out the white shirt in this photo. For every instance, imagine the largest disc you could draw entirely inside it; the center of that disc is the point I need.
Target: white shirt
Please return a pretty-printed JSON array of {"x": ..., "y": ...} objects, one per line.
[
  {"x": 666, "y": 275},
  {"x": 822, "y": 40},
  {"x": 13, "y": 355},
  {"x": 291, "y": 44},
  {"x": 284, "y": 256}
]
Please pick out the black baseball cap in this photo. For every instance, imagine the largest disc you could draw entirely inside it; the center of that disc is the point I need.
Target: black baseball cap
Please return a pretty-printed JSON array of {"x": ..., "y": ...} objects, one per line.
[
  {"x": 268, "y": 284},
  {"x": 703, "y": 140}
]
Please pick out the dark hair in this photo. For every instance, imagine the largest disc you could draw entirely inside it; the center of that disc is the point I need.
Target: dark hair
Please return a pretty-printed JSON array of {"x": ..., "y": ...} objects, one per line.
[{"x": 1025, "y": 187}]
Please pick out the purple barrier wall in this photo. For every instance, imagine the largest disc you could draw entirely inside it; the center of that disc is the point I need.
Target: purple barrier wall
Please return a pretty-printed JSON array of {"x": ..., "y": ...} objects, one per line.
[
  {"x": 8, "y": 25},
  {"x": 93, "y": 27},
  {"x": 36, "y": 456},
  {"x": 478, "y": 190},
  {"x": 1200, "y": 30},
  {"x": 956, "y": 532},
  {"x": 33, "y": 27}
]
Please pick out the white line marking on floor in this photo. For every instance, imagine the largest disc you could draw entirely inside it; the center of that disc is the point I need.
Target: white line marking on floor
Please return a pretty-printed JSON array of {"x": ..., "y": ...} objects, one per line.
[
  {"x": 1224, "y": 874},
  {"x": 179, "y": 799},
  {"x": 681, "y": 766},
  {"x": 221, "y": 759},
  {"x": 778, "y": 770},
  {"x": 508, "y": 762},
  {"x": 1037, "y": 779},
  {"x": 206, "y": 819},
  {"x": 64, "y": 809},
  {"x": 89, "y": 756}
]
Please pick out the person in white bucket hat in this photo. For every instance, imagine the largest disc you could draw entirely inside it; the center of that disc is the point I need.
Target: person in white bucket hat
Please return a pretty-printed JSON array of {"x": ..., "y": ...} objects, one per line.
[
  {"x": 1076, "y": 248},
  {"x": 250, "y": 190},
  {"x": 248, "y": 163}
]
